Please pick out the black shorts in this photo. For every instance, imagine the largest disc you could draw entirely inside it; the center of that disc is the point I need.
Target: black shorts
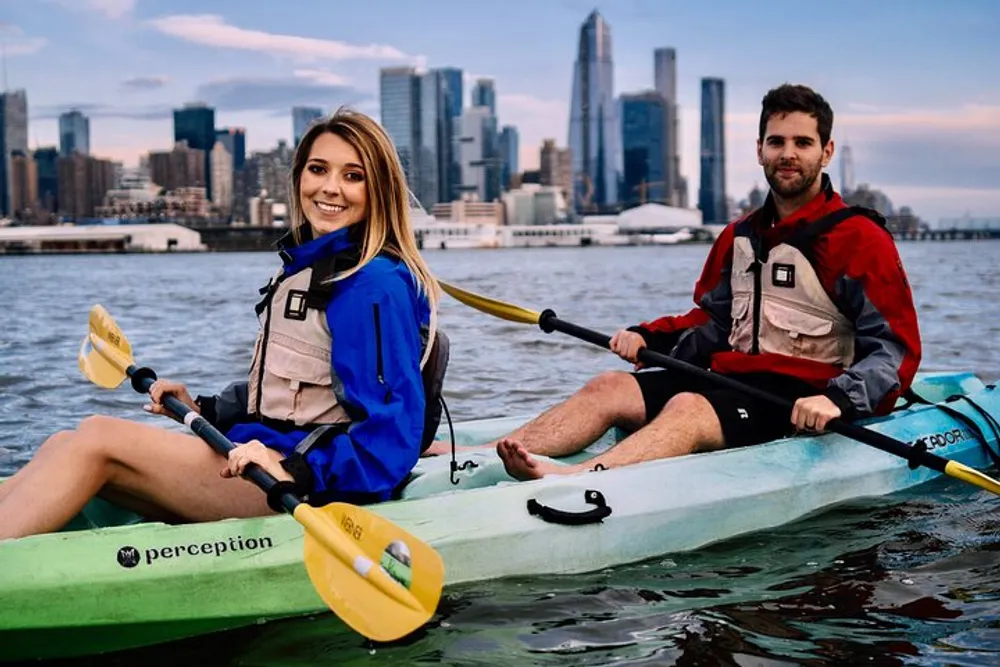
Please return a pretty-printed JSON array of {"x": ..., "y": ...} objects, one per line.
[{"x": 745, "y": 420}]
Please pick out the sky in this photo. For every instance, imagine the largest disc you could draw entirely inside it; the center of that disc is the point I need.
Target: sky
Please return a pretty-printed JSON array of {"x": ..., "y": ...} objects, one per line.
[{"x": 915, "y": 84}]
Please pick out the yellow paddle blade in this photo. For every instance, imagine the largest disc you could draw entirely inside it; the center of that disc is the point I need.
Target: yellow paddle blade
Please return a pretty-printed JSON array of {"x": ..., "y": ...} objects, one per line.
[
  {"x": 501, "y": 309},
  {"x": 105, "y": 353},
  {"x": 972, "y": 476},
  {"x": 382, "y": 581}
]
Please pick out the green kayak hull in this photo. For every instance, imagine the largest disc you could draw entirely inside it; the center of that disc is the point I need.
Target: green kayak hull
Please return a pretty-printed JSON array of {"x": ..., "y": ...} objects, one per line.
[{"x": 111, "y": 581}]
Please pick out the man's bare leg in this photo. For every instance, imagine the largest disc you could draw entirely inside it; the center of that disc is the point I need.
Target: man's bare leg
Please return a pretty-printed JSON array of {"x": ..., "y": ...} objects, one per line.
[
  {"x": 686, "y": 424},
  {"x": 610, "y": 399}
]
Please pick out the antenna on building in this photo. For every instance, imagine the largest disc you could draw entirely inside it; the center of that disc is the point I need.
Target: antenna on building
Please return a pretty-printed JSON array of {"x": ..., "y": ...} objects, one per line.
[{"x": 3, "y": 56}]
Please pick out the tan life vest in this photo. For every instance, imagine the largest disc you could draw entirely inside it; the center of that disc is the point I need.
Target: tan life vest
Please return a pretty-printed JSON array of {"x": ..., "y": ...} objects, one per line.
[
  {"x": 793, "y": 314},
  {"x": 291, "y": 378}
]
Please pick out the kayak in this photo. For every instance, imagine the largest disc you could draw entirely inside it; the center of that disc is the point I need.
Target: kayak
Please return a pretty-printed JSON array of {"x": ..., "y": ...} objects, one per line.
[{"x": 111, "y": 581}]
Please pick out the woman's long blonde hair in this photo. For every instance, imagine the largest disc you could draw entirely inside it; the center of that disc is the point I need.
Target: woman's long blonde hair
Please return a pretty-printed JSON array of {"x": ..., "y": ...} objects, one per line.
[{"x": 387, "y": 227}]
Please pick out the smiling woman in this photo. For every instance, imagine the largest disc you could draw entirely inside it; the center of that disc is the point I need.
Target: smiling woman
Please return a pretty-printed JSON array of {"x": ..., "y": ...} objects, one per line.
[{"x": 334, "y": 404}]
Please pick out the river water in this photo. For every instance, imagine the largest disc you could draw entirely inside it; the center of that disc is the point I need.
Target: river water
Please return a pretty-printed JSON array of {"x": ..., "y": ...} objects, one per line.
[{"x": 910, "y": 579}]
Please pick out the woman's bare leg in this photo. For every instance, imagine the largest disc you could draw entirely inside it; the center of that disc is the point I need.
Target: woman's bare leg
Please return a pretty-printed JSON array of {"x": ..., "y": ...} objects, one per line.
[{"x": 173, "y": 471}]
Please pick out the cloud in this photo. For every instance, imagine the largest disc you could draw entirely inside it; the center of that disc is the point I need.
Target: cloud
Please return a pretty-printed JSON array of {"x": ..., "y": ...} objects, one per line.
[
  {"x": 321, "y": 76},
  {"x": 25, "y": 47},
  {"x": 16, "y": 43},
  {"x": 212, "y": 30},
  {"x": 273, "y": 94},
  {"x": 112, "y": 9},
  {"x": 142, "y": 83}
]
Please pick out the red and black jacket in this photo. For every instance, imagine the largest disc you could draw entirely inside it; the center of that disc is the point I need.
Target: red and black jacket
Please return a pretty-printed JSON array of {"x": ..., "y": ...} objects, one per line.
[{"x": 858, "y": 265}]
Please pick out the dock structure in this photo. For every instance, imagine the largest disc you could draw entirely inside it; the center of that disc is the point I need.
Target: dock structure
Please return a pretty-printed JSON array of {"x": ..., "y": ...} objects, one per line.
[{"x": 76, "y": 239}]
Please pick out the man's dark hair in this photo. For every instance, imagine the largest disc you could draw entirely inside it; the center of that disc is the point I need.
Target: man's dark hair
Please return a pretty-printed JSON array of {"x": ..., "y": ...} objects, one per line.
[{"x": 788, "y": 98}]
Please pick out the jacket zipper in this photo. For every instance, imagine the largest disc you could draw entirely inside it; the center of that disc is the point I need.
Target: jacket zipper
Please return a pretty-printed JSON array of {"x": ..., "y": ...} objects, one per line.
[
  {"x": 756, "y": 268},
  {"x": 378, "y": 354}
]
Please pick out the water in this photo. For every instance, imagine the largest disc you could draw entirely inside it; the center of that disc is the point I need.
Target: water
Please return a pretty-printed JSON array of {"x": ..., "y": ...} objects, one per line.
[{"x": 912, "y": 579}]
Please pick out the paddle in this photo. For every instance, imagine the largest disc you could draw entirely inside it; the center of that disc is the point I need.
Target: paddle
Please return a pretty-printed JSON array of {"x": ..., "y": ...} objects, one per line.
[
  {"x": 381, "y": 580},
  {"x": 548, "y": 322}
]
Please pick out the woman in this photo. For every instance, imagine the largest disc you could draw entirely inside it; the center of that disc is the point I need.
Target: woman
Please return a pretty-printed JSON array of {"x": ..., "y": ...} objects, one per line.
[{"x": 334, "y": 404}]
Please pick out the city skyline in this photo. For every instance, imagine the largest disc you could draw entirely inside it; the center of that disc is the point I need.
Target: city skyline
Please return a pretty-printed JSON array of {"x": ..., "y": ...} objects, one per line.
[{"x": 921, "y": 114}]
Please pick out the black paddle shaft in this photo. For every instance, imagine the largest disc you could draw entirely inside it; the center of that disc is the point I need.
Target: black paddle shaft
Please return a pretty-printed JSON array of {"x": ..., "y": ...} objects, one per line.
[
  {"x": 915, "y": 455},
  {"x": 143, "y": 379}
]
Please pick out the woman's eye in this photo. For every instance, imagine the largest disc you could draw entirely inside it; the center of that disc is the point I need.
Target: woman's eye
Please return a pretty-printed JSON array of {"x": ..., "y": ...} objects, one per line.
[
  {"x": 315, "y": 169},
  {"x": 354, "y": 176}
]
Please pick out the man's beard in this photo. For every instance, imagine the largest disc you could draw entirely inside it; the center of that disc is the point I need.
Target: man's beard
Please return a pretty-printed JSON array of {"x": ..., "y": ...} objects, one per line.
[{"x": 790, "y": 189}]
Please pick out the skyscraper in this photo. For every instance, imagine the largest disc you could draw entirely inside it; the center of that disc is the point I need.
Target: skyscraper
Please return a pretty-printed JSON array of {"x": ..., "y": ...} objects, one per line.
[
  {"x": 712, "y": 191},
  {"x": 484, "y": 94},
  {"x": 74, "y": 134},
  {"x": 13, "y": 138},
  {"x": 399, "y": 94},
  {"x": 451, "y": 175},
  {"x": 509, "y": 146},
  {"x": 478, "y": 154},
  {"x": 665, "y": 76},
  {"x": 195, "y": 124},
  {"x": 235, "y": 141},
  {"x": 302, "y": 118},
  {"x": 846, "y": 170},
  {"x": 594, "y": 130},
  {"x": 433, "y": 140},
  {"x": 643, "y": 134}
]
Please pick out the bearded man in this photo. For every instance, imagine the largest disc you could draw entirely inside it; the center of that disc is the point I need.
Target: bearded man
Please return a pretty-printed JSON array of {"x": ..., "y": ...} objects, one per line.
[{"x": 805, "y": 298}]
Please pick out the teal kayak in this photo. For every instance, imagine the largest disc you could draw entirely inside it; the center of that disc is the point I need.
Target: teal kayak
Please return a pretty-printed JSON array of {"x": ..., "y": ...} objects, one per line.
[{"x": 111, "y": 581}]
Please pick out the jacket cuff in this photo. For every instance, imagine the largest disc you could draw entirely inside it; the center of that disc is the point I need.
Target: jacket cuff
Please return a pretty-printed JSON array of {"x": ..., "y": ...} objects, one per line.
[
  {"x": 645, "y": 333},
  {"x": 206, "y": 407},
  {"x": 296, "y": 466},
  {"x": 840, "y": 398}
]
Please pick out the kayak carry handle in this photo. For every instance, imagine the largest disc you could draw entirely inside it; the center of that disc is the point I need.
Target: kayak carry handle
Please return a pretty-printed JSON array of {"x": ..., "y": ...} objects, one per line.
[{"x": 552, "y": 515}]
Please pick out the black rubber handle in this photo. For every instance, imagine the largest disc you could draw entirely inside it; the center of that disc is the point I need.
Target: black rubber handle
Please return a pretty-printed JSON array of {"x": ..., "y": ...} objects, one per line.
[{"x": 600, "y": 512}]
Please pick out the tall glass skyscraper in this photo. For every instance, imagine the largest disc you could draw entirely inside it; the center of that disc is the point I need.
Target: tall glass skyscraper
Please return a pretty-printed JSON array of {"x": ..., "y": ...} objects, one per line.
[
  {"x": 399, "y": 94},
  {"x": 302, "y": 118},
  {"x": 484, "y": 94},
  {"x": 433, "y": 138},
  {"x": 13, "y": 139},
  {"x": 712, "y": 192},
  {"x": 74, "y": 134},
  {"x": 451, "y": 177},
  {"x": 594, "y": 130},
  {"x": 509, "y": 146},
  {"x": 643, "y": 136},
  {"x": 665, "y": 77},
  {"x": 195, "y": 124},
  {"x": 235, "y": 141}
]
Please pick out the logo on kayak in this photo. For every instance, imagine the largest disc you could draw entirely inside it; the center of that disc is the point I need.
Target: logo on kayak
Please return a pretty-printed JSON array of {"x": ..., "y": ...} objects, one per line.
[
  {"x": 129, "y": 556},
  {"x": 945, "y": 438}
]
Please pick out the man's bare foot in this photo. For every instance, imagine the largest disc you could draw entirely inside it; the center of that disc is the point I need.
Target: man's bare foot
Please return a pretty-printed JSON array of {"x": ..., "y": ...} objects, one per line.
[
  {"x": 439, "y": 447},
  {"x": 520, "y": 464}
]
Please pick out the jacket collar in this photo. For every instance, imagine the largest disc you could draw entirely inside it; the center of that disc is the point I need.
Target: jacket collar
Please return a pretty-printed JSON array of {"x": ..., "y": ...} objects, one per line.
[
  {"x": 814, "y": 208},
  {"x": 297, "y": 257}
]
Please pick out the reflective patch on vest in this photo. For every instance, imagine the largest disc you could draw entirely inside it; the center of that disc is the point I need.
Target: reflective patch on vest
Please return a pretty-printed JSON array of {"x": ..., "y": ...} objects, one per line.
[
  {"x": 783, "y": 275},
  {"x": 295, "y": 305}
]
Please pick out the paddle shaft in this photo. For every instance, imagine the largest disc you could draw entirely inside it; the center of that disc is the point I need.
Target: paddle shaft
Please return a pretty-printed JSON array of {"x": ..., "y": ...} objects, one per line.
[
  {"x": 549, "y": 323},
  {"x": 143, "y": 379}
]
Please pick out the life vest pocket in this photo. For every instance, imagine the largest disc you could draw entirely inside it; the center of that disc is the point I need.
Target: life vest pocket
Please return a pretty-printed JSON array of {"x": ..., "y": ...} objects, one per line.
[
  {"x": 298, "y": 384},
  {"x": 790, "y": 331},
  {"x": 741, "y": 332}
]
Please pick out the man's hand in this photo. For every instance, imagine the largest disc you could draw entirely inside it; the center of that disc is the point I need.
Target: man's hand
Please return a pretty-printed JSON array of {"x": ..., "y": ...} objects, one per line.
[
  {"x": 626, "y": 344},
  {"x": 812, "y": 413}
]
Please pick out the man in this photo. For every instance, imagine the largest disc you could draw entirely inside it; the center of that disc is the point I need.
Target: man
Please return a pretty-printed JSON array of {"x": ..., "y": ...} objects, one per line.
[{"x": 803, "y": 298}]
